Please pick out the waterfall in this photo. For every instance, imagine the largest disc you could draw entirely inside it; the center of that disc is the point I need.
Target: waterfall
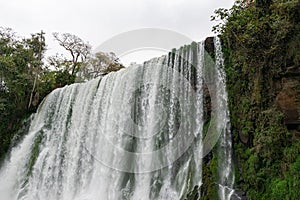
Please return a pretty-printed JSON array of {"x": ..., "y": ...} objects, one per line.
[
  {"x": 225, "y": 166},
  {"x": 133, "y": 134}
]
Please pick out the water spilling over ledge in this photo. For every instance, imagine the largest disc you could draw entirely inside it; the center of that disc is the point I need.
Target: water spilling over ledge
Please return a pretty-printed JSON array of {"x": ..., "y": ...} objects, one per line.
[{"x": 134, "y": 134}]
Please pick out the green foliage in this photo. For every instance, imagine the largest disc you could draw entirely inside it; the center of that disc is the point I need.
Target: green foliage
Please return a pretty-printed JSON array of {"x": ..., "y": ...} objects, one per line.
[
  {"x": 34, "y": 152},
  {"x": 209, "y": 188},
  {"x": 279, "y": 189},
  {"x": 20, "y": 63},
  {"x": 25, "y": 79},
  {"x": 63, "y": 77},
  {"x": 261, "y": 41}
]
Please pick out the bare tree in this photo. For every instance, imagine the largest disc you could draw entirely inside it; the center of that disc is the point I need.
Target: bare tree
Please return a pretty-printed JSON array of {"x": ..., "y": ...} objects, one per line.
[
  {"x": 78, "y": 49},
  {"x": 100, "y": 64}
]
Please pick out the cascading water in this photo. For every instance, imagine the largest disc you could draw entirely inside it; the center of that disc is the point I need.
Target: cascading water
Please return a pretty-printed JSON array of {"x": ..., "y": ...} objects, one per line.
[
  {"x": 226, "y": 172},
  {"x": 135, "y": 134}
]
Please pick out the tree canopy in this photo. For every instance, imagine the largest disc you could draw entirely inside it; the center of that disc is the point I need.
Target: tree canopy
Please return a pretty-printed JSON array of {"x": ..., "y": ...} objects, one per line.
[{"x": 27, "y": 75}]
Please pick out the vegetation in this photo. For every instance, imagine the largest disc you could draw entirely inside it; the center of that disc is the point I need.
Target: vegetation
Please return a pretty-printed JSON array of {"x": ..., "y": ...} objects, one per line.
[
  {"x": 20, "y": 67},
  {"x": 26, "y": 76},
  {"x": 261, "y": 41}
]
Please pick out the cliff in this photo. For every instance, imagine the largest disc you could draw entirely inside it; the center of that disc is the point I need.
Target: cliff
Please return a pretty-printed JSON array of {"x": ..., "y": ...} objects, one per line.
[{"x": 262, "y": 47}]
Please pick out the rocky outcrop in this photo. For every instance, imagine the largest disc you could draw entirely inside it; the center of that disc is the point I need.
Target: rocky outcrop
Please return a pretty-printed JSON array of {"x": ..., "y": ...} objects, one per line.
[
  {"x": 209, "y": 46},
  {"x": 288, "y": 101}
]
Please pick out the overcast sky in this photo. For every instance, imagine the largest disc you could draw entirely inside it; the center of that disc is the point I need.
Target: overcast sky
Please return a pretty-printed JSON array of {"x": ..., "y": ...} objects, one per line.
[{"x": 96, "y": 21}]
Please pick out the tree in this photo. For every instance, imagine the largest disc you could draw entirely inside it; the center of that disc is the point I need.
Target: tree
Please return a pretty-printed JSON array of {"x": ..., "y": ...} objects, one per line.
[
  {"x": 20, "y": 68},
  {"x": 261, "y": 44},
  {"x": 78, "y": 49},
  {"x": 38, "y": 46},
  {"x": 100, "y": 64}
]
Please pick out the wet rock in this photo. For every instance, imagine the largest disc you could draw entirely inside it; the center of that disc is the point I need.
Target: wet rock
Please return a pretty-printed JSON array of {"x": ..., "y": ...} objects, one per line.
[
  {"x": 209, "y": 46},
  {"x": 238, "y": 195}
]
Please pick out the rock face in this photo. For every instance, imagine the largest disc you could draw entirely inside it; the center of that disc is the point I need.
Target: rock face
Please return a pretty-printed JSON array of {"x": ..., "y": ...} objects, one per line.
[
  {"x": 263, "y": 84},
  {"x": 288, "y": 101},
  {"x": 239, "y": 195},
  {"x": 209, "y": 45}
]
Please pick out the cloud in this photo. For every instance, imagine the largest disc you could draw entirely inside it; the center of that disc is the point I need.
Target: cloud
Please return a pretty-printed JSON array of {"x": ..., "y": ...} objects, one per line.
[{"x": 98, "y": 20}]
